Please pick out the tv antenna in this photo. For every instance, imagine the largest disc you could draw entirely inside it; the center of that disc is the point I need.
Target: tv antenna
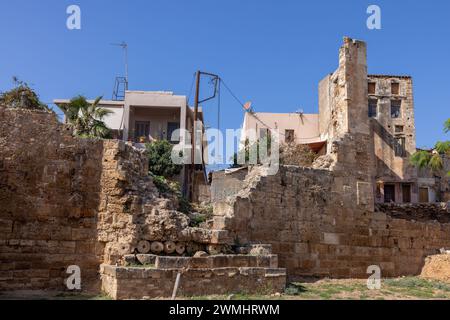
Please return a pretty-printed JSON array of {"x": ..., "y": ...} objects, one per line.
[{"x": 121, "y": 84}]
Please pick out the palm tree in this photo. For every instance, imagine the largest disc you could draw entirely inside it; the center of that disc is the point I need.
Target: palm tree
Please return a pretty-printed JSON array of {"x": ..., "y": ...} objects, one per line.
[
  {"x": 86, "y": 118},
  {"x": 433, "y": 159}
]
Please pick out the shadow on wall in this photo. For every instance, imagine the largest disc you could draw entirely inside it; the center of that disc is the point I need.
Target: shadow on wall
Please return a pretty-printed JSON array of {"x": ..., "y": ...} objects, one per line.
[
  {"x": 390, "y": 141},
  {"x": 49, "y": 195}
]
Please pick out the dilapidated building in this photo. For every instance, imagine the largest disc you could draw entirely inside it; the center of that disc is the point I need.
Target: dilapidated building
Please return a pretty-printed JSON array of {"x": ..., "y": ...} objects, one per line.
[{"x": 384, "y": 110}]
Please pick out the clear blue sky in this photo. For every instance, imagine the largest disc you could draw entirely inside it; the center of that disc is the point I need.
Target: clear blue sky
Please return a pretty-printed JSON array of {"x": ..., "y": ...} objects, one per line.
[{"x": 270, "y": 52}]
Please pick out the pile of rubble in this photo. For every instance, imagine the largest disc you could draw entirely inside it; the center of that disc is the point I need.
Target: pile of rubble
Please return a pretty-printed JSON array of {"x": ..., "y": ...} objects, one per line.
[
  {"x": 437, "y": 267},
  {"x": 422, "y": 212}
]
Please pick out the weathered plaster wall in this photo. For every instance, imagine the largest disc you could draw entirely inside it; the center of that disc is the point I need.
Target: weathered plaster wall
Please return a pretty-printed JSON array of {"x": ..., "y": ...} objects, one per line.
[{"x": 386, "y": 129}]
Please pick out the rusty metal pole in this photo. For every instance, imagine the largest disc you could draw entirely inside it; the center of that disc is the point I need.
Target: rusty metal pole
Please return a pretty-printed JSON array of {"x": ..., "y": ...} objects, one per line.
[{"x": 194, "y": 128}]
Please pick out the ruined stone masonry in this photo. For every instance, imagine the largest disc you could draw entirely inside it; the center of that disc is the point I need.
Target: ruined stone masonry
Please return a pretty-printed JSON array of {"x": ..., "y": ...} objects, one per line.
[
  {"x": 91, "y": 203},
  {"x": 322, "y": 221},
  {"x": 68, "y": 201}
]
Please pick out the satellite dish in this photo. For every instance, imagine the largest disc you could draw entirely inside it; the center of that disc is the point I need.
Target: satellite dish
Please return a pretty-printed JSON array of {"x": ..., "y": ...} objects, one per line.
[{"x": 248, "y": 106}]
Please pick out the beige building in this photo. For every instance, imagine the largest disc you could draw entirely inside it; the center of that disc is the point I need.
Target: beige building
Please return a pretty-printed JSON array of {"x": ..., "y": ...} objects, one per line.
[
  {"x": 145, "y": 116},
  {"x": 384, "y": 111},
  {"x": 292, "y": 127}
]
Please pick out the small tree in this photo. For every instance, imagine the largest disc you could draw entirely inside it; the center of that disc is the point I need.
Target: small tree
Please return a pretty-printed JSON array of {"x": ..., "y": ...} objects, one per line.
[
  {"x": 22, "y": 96},
  {"x": 160, "y": 160},
  {"x": 86, "y": 118},
  {"x": 434, "y": 159},
  {"x": 250, "y": 151}
]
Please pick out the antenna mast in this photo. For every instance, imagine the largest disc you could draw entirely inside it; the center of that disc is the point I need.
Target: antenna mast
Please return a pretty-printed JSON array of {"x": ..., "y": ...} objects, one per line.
[{"x": 121, "y": 84}]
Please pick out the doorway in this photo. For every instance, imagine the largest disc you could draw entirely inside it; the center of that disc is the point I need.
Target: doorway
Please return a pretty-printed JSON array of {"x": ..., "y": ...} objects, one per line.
[
  {"x": 406, "y": 193},
  {"x": 423, "y": 195},
  {"x": 389, "y": 193}
]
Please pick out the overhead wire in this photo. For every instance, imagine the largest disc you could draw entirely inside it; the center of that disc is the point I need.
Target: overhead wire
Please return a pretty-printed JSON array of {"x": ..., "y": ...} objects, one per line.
[{"x": 253, "y": 114}]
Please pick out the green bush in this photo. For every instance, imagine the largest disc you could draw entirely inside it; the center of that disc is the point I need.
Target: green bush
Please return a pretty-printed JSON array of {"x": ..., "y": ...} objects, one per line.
[
  {"x": 22, "y": 96},
  {"x": 159, "y": 159}
]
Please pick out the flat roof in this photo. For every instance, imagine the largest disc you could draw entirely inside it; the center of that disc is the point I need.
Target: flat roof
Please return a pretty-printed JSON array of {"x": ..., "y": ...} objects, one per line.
[
  {"x": 102, "y": 102},
  {"x": 388, "y": 76}
]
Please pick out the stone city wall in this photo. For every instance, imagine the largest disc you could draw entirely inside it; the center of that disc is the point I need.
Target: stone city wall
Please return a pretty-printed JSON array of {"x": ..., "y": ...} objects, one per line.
[
  {"x": 68, "y": 201},
  {"x": 318, "y": 226},
  {"x": 49, "y": 193}
]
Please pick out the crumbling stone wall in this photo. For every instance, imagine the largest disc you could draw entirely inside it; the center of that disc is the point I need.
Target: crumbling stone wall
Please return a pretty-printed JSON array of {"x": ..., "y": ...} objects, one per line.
[
  {"x": 49, "y": 192},
  {"x": 314, "y": 223},
  {"x": 322, "y": 221},
  {"x": 68, "y": 201}
]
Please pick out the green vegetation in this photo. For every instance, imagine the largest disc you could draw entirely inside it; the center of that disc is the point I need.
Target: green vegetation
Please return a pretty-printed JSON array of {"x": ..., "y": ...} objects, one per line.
[
  {"x": 251, "y": 152},
  {"x": 86, "y": 118},
  {"x": 433, "y": 159},
  {"x": 351, "y": 289},
  {"x": 162, "y": 168},
  {"x": 22, "y": 96},
  {"x": 160, "y": 159}
]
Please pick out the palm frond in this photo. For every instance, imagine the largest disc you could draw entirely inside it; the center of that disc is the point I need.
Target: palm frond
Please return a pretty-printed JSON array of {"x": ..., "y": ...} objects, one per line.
[
  {"x": 436, "y": 163},
  {"x": 421, "y": 159},
  {"x": 447, "y": 126},
  {"x": 97, "y": 101},
  {"x": 443, "y": 147}
]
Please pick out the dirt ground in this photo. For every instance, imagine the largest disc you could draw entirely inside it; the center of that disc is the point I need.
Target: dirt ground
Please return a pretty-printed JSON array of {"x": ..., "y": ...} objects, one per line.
[{"x": 406, "y": 288}]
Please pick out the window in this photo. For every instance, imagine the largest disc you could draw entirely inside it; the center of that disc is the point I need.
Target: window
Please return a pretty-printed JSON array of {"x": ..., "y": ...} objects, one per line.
[
  {"x": 142, "y": 130},
  {"x": 395, "y": 88},
  {"x": 289, "y": 136},
  {"x": 171, "y": 128},
  {"x": 406, "y": 193},
  {"x": 389, "y": 193},
  {"x": 396, "y": 108},
  {"x": 399, "y": 129},
  {"x": 399, "y": 147},
  {"x": 372, "y": 87},
  {"x": 263, "y": 132},
  {"x": 373, "y": 108}
]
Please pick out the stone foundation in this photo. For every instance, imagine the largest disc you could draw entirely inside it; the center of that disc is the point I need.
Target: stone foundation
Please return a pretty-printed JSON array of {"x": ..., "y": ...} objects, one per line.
[{"x": 214, "y": 275}]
